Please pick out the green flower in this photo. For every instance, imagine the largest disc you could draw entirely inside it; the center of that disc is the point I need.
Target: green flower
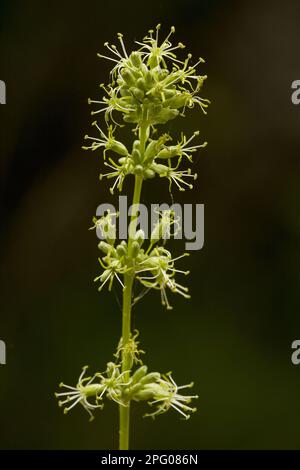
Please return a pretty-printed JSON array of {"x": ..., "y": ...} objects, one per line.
[
  {"x": 159, "y": 273},
  {"x": 147, "y": 87},
  {"x": 163, "y": 392},
  {"x": 85, "y": 390},
  {"x": 166, "y": 396},
  {"x": 144, "y": 88}
]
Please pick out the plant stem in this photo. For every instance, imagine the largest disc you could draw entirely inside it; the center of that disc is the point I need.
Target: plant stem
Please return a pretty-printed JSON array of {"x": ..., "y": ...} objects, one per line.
[
  {"x": 126, "y": 323},
  {"x": 127, "y": 294}
]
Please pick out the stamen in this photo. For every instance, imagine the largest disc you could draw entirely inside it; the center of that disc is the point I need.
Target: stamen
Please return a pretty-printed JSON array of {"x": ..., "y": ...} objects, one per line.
[{"x": 120, "y": 37}]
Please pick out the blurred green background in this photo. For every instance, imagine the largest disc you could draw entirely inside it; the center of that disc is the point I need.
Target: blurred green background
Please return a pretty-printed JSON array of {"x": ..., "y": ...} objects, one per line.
[{"x": 233, "y": 338}]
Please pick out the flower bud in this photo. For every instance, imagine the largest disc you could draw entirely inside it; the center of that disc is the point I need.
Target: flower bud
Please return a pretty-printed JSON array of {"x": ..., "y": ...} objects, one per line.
[
  {"x": 151, "y": 151},
  {"x": 121, "y": 250},
  {"x": 138, "y": 170},
  {"x": 136, "y": 156},
  {"x": 153, "y": 61},
  {"x": 166, "y": 115},
  {"x": 124, "y": 91},
  {"x": 178, "y": 101},
  {"x": 149, "y": 80},
  {"x": 135, "y": 248},
  {"x": 136, "y": 145},
  {"x": 149, "y": 378},
  {"x": 117, "y": 147},
  {"x": 93, "y": 389},
  {"x": 105, "y": 247},
  {"x": 140, "y": 237},
  {"x": 149, "y": 173},
  {"x": 128, "y": 77},
  {"x": 161, "y": 170},
  {"x": 137, "y": 93},
  {"x": 144, "y": 68},
  {"x": 168, "y": 152},
  {"x": 130, "y": 117},
  {"x": 111, "y": 237},
  {"x": 139, "y": 374},
  {"x": 147, "y": 392},
  {"x": 141, "y": 84},
  {"x": 131, "y": 391},
  {"x": 143, "y": 395},
  {"x": 136, "y": 59}
]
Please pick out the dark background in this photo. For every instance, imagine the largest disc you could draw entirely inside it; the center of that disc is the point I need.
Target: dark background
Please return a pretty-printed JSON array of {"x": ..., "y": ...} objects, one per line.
[{"x": 233, "y": 338}]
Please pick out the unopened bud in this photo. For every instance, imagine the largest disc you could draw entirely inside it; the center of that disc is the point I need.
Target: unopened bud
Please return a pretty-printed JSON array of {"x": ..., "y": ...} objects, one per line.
[
  {"x": 136, "y": 156},
  {"x": 121, "y": 250},
  {"x": 166, "y": 115},
  {"x": 137, "y": 93},
  {"x": 168, "y": 152},
  {"x": 135, "y": 248},
  {"x": 136, "y": 59},
  {"x": 140, "y": 237},
  {"x": 150, "y": 378},
  {"x": 139, "y": 374},
  {"x": 149, "y": 173},
  {"x": 128, "y": 77},
  {"x": 151, "y": 151},
  {"x": 117, "y": 147},
  {"x": 105, "y": 247}
]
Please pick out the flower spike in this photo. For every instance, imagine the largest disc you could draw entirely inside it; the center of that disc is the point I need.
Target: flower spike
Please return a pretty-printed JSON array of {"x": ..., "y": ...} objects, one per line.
[{"x": 147, "y": 88}]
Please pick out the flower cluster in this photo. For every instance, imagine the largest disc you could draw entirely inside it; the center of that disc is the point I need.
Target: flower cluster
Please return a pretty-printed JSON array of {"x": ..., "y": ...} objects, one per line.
[
  {"x": 131, "y": 349},
  {"x": 154, "y": 267},
  {"x": 149, "y": 85},
  {"x": 117, "y": 386},
  {"x": 144, "y": 85},
  {"x": 85, "y": 390},
  {"x": 159, "y": 271},
  {"x": 165, "y": 394}
]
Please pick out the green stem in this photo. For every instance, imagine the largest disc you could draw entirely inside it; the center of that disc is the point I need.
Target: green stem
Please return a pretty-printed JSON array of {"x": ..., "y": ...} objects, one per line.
[
  {"x": 127, "y": 298},
  {"x": 126, "y": 327}
]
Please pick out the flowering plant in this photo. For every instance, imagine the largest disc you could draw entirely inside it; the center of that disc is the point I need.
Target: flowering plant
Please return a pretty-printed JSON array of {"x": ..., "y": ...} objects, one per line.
[{"x": 148, "y": 88}]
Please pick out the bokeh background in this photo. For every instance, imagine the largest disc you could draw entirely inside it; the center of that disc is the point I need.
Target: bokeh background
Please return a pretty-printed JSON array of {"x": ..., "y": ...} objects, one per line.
[{"x": 233, "y": 338}]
